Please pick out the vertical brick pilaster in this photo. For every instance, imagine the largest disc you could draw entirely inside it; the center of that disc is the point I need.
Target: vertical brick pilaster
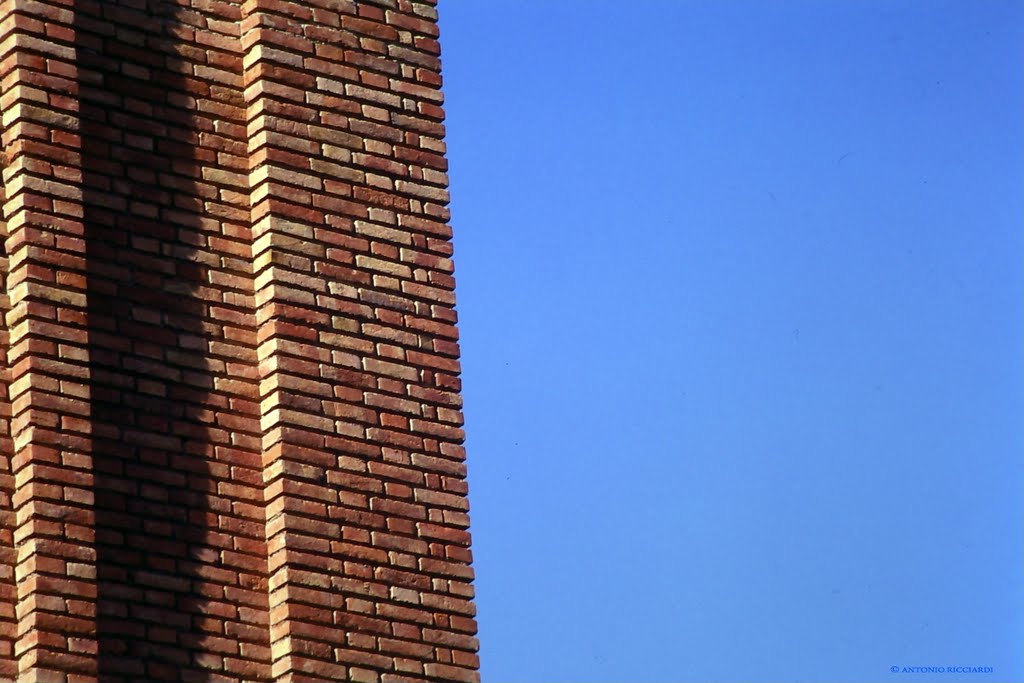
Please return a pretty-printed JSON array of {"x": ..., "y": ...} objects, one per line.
[
  {"x": 47, "y": 356},
  {"x": 8, "y": 556},
  {"x": 176, "y": 445},
  {"x": 358, "y": 351},
  {"x": 229, "y": 325},
  {"x": 296, "y": 460}
]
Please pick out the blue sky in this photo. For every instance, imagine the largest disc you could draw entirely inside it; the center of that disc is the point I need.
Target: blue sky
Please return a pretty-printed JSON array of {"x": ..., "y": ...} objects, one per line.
[{"x": 740, "y": 294}]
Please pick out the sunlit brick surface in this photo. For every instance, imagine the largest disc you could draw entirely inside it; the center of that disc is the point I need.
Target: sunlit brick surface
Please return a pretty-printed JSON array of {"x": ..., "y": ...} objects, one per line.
[{"x": 230, "y": 419}]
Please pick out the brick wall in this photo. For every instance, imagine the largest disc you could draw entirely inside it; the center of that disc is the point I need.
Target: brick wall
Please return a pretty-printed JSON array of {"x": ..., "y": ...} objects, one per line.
[{"x": 229, "y": 396}]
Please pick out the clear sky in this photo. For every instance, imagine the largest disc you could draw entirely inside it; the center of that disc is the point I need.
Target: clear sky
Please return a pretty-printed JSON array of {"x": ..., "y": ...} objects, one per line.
[{"x": 742, "y": 309}]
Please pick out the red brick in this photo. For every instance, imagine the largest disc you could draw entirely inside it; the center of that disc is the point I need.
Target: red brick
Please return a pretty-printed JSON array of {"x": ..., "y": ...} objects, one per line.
[{"x": 232, "y": 344}]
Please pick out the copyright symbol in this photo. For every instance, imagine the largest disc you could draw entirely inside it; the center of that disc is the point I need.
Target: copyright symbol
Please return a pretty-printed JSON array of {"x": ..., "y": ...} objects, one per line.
[{"x": 894, "y": 669}]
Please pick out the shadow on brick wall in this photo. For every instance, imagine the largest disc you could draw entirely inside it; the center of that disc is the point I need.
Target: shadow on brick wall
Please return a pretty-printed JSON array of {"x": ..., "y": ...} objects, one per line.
[{"x": 150, "y": 378}]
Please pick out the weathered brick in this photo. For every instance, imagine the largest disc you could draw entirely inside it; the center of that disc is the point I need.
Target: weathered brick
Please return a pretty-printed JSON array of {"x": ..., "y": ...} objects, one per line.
[{"x": 229, "y": 340}]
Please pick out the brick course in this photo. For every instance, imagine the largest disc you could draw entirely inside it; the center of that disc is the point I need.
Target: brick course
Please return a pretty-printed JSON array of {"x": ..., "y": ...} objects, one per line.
[{"x": 230, "y": 427}]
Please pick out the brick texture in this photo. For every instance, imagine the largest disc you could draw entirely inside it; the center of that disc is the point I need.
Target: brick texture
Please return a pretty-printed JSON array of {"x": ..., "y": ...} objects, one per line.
[{"x": 230, "y": 427}]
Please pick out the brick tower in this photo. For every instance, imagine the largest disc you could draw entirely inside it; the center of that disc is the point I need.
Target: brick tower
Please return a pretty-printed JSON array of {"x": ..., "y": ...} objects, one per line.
[{"x": 229, "y": 397}]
